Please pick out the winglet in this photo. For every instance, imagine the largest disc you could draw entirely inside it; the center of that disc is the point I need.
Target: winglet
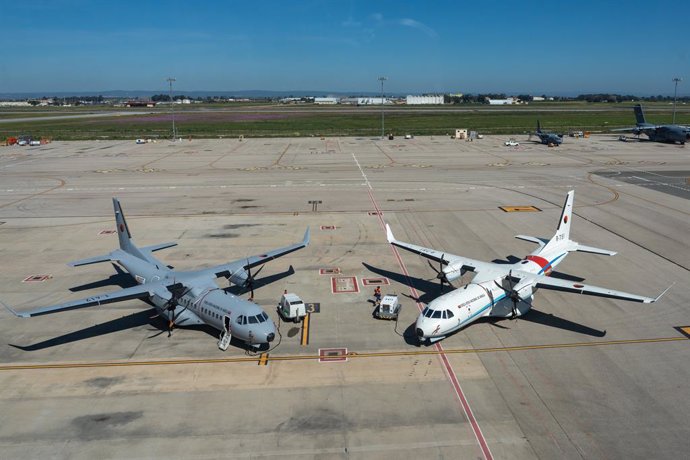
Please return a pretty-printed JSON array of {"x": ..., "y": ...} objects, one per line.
[
  {"x": 659, "y": 296},
  {"x": 389, "y": 234},
  {"x": 12, "y": 310},
  {"x": 307, "y": 236}
]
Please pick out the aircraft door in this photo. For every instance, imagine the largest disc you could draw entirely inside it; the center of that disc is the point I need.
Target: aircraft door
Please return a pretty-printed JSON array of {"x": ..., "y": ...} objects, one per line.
[{"x": 226, "y": 323}]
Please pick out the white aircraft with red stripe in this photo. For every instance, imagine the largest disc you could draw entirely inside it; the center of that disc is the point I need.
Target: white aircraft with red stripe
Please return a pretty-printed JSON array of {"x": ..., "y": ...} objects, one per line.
[{"x": 502, "y": 290}]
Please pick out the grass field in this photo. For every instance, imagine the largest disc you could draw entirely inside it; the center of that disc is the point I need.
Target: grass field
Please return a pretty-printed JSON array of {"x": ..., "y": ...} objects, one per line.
[{"x": 282, "y": 121}]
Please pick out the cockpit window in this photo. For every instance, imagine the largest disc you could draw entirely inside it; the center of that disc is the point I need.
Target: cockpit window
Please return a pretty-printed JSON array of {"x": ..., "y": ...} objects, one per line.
[
  {"x": 449, "y": 313},
  {"x": 436, "y": 314},
  {"x": 253, "y": 320},
  {"x": 443, "y": 314},
  {"x": 263, "y": 317},
  {"x": 240, "y": 319},
  {"x": 428, "y": 312}
]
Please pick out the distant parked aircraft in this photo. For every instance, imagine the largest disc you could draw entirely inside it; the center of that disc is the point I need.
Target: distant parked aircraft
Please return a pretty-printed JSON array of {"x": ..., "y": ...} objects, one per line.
[
  {"x": 547, "y": 138},
  {"x": 657, "y": 133}
]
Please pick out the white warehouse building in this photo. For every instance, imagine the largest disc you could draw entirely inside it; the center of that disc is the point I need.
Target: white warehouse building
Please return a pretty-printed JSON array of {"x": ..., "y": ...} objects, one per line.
[
  {"x": 326, "y": 100},
  {"x": 424, "y": 100},
  {"x": 373, "y": 101},
  {"x": 507, "y": 101}
]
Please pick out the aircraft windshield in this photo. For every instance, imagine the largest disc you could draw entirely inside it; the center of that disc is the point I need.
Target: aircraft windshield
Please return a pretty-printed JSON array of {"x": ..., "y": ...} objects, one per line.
[
  {"x": 436, "y": 314},
  {"x": 427, "y": 312}
]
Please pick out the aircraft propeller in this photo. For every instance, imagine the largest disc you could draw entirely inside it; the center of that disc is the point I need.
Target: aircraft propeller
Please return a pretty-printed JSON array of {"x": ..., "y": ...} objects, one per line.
[
  {"x": 440, "y": 275},
  {"x": 250, "y": 280},
  {"x": 512, "y": 293},
  {"x": 178, "y": 291}
]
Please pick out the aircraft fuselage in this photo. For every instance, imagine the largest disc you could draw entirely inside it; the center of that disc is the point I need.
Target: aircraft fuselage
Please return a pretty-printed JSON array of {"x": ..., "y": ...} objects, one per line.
[
  {"x": 463, "y": 306},
  {"x": 205, "y": 303}
]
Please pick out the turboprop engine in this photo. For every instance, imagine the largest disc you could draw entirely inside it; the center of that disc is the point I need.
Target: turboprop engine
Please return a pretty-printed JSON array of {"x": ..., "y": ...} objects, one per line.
[
  {"x": 239, "y": 278},
  {"x": 453, "y": 271}
]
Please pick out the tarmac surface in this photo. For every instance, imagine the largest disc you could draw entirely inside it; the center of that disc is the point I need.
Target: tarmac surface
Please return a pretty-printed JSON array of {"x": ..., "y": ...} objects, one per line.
[{"x": 577, "y": 377}]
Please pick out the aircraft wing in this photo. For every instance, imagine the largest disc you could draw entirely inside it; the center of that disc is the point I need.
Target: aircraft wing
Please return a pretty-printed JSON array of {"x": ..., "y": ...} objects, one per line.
[
  {"x": 227, "y": 270},
  {"x": 568, "y": 286},
  {"x": 135, "y": 292},
  {"x": 458, "y": 262}
]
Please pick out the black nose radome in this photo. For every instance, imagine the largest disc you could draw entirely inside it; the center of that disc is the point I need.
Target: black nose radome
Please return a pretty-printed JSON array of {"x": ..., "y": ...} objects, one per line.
[
  {"x": 270, "y": 337},
  {"x": 420, "y": 333}
]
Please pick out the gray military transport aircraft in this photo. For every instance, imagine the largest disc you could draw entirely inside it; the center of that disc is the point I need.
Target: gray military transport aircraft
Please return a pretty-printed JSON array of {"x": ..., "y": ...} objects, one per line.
[
  {"x": 546, "y": 137},
  {"x": 657, "y": 133},
  {"x": 184, "y": 298}
]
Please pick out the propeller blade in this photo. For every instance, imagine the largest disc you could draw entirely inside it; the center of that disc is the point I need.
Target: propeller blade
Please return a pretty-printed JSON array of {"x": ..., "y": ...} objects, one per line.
[
  {"x": 259, "y": 271},
  {"x": 432, "y": 266}
]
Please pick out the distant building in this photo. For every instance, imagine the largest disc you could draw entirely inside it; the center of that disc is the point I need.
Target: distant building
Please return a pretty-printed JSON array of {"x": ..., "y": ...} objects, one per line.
[
  {"x": 373, "y": 101},
  {"x": 326, "y": 100},
  {"x": 140, "y": 104},
  {"x": 424, "y": 100},
  {"x": 14, "y": 104},
  {"x": 538, "y": 98},
  {"x": 507, "y": 101}
]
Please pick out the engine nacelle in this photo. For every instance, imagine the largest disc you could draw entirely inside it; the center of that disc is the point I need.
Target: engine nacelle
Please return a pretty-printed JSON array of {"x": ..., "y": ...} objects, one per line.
[
  {"x": 526, "y": 293},
  {"x": 453, "y": 271},
  {"x": 239, "y": 278},
  {"x": 161, "y": 297}
]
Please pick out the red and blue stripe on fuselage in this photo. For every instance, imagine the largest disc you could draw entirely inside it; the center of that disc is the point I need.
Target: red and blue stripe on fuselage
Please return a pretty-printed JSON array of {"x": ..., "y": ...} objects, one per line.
[{"x": 546, "y": 266}]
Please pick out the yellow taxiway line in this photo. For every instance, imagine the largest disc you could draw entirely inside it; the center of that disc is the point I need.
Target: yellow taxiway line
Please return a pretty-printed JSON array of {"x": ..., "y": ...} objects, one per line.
[
  {"x": 263, "y": 358},
  {"x": 305, "y": 330}
]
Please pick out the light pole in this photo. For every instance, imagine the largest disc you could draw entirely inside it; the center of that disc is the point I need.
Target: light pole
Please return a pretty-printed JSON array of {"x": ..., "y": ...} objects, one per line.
[
  {"x": 383, "y": 134},
  {"x": 675, "y": 93},
  {"x": 170, "y": 80}
]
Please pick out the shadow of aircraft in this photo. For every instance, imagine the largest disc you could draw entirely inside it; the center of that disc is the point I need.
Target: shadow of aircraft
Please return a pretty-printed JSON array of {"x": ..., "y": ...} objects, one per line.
[
  {"x": 141, "y": 318},
  {"x": 511, "y": 259},
  {"x": 565, "y": 276},
  {"x": 546, "y": 319},
  {"x": 410, "y": 337},
  {"x": 121, "y": 279},
  {"x": 428, "y": 290}
]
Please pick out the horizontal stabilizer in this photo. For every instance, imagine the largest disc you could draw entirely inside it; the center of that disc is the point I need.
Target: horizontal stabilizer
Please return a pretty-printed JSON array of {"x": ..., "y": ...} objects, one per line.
[
  {"x": 158, "y": 247},
  {"x": 532, "y": 239},
  {"x": 91, "y": 260},
  {"x": 582, "y": 248}
]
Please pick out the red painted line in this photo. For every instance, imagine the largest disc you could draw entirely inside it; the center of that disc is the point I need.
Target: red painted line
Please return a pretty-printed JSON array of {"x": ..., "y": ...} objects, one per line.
[{"x": 450, "y": 373}]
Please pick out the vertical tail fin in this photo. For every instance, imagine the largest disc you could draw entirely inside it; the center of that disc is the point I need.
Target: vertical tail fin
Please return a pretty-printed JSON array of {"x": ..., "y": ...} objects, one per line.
[
  {"x": 538, "y": 126},
  {"x": 562, "y": 236},
  {"x": 126, "y": 243},
  {"x": 639, "y": 115}
]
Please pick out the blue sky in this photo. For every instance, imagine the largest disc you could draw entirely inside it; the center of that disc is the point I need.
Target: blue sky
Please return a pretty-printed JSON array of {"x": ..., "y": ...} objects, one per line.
[{"x": 421, "y": 46}]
